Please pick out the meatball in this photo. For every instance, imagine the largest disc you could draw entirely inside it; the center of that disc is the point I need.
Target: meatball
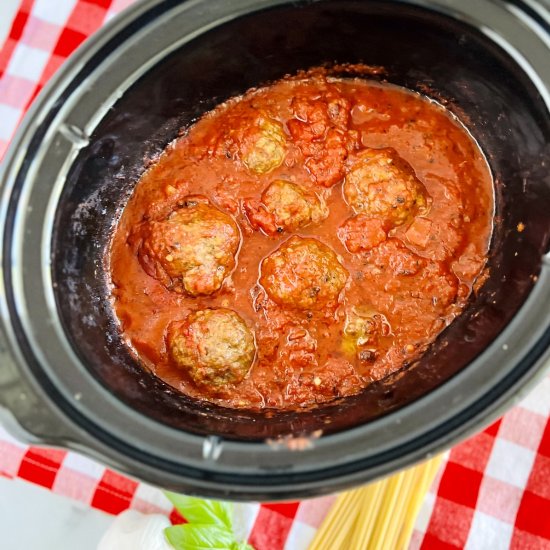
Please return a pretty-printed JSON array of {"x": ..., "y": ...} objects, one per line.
[
  {"x": 214, "y": 347},
  {"x": 192, "y": 250},
  {"x": 325, "y": 160},
  {"x": 303, "y": 273},
  {"x": 319, "y": 129},
  {"x": 381, "y": 184},
  {"x": 263, "y": 146},
  {"x": 284, "y": 206},
  {"x": 329, "y": 110}
]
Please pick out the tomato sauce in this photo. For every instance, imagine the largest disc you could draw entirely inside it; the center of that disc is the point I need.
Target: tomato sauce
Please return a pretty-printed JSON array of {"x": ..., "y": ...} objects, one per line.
[{"x": 406, "y": 251}]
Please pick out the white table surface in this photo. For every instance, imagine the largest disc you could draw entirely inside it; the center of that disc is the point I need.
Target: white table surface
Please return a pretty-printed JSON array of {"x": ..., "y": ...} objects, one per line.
[{"x": 34, "y": 518}]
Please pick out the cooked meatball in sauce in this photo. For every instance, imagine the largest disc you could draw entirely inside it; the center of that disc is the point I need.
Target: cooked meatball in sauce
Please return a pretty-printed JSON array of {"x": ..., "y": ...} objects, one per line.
[
  {"x": 304, "y": 274},
  {"x": 384, "y": 186},
  {"x": 213, "y": 346},
  {"x": 192, "y": 250},
  {"x": 301, "y": 242},
  {"x": 284, "y": 206}
]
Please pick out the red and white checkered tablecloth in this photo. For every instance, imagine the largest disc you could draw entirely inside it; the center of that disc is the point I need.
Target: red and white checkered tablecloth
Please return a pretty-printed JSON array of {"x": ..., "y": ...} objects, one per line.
[{"x": 492, "y": 493}]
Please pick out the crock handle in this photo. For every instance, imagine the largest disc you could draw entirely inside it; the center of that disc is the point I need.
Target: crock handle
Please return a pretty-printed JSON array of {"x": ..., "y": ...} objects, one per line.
[{"x": 23, "y": 413}]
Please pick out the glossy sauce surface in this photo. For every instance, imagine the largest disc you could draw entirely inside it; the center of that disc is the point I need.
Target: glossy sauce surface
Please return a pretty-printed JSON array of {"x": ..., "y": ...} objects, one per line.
[{"x": 402, "y": 264}]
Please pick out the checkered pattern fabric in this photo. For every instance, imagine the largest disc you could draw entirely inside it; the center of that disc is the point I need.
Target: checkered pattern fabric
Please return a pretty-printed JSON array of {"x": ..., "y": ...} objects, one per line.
[
  {"x": 494, "y": 490},
  {"x": 492, "y": 493}
]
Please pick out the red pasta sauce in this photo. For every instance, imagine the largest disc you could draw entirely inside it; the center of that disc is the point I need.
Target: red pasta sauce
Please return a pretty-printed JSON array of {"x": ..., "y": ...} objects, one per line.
[{"x": 301, "y": 241}]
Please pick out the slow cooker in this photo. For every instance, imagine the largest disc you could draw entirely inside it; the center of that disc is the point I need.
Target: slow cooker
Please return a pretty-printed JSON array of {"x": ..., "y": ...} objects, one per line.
[{"x": 67, "y": 378}]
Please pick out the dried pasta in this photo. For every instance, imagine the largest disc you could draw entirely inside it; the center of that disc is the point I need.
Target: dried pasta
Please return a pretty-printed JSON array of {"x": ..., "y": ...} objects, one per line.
[{"x": 379, "y": 516}]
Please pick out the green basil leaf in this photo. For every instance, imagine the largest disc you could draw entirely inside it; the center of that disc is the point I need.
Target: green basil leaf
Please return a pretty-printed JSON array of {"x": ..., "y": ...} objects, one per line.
[
  {"x": 241, "y": 546},
  {"x": 198, "y": 510},
  {"x": 199, "y": 537}
]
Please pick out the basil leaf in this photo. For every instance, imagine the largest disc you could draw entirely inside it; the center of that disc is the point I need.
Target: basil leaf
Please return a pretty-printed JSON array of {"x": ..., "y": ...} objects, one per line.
[
  {"x": 199, "y": 537},
  {"x": 241, "y": 546},
  {"x": 198, "y": 510}
]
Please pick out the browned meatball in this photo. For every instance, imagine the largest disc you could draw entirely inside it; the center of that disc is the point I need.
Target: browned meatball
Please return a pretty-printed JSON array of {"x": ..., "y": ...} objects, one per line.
[
  {"x": 319, "y": 129},
  {"x": 192, "y": 250},
  {"x": 381, "y": 184},
  {"x": 214, "y": 347},
  {"x": 303, "y": 273},
  {"x": 262, "y": 145},
  {"x": 285, "y": 206}
]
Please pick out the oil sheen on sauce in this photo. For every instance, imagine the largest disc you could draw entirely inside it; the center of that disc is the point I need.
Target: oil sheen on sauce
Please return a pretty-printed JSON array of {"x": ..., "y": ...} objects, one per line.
[{"x": 411, "y": 248}]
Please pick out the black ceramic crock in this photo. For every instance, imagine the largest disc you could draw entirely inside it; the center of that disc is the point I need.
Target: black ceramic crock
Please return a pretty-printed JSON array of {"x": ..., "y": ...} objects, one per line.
[{"x": 67, "y": 379}]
